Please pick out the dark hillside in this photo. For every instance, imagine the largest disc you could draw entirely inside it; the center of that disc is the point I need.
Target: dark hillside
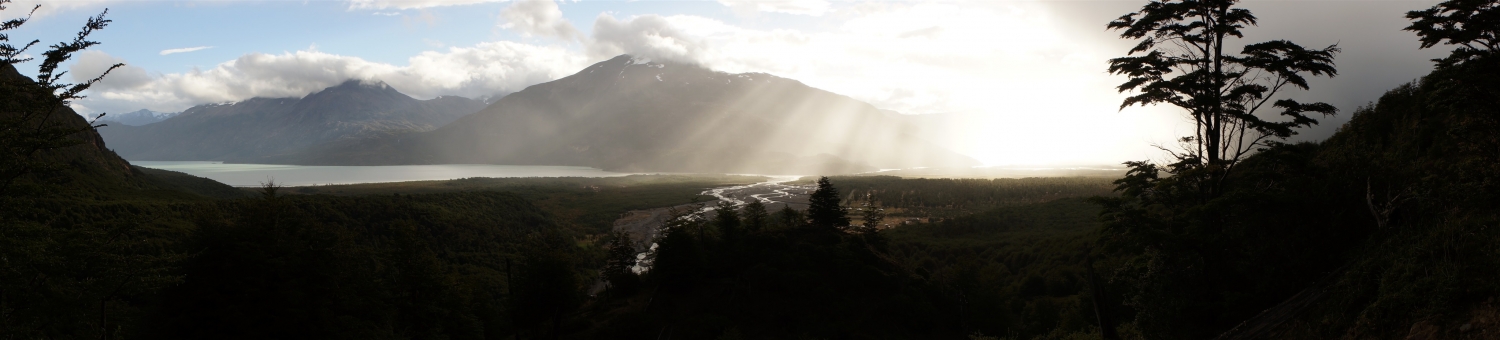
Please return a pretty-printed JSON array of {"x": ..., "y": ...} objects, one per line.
[
  {"x": 1387, "y": 228},
  {"x": 88, "y": 160},
  {"x": 1424, "y": 162}
]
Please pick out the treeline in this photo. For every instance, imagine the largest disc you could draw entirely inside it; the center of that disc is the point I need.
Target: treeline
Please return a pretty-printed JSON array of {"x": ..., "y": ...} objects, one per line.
[
  {"x": 755, "y": 274},
  {"x": 947, "y": 197},
  {"x": 589, "y": 203},
  {"x": 371, "y": 267},
  {"x": 1016, "y": 272}
]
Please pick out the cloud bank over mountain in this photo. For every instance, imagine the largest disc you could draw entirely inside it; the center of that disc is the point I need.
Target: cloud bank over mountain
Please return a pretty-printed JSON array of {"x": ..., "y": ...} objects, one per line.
[{"x": 476, "y": 71}]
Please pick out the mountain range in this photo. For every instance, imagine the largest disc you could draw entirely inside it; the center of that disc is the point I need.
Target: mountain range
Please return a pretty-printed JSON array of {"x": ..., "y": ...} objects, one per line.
[
  {"x": 258, "y": 128},
  {"x": 637, "y": 115},
  {"x": 138, "y": 118}
]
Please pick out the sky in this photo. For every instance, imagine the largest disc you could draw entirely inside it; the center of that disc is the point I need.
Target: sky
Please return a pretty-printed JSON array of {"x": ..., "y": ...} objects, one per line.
[{"x": 1027, "y": 78}]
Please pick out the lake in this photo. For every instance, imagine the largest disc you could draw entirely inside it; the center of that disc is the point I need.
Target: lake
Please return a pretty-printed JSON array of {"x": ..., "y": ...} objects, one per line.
[{"x": 250, "y": 175}]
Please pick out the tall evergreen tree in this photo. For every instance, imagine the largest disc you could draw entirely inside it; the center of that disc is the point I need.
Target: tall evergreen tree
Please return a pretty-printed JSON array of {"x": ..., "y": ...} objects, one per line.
[
  {"x": 727, "y": 219},
  {"x": 788, "y": 217},
  {"x": 756, "y": 216},
  {"x": 823, "y": 206},
  {"x": 871, "y": 214},
  {"x": 619, "y": 266}
]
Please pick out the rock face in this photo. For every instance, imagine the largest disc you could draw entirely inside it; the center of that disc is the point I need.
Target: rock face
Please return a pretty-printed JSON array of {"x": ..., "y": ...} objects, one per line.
[
  {"x": 138, "y": 118},
  {"x": 258, "y": 128},
  {"x": 628, "y": 114}
]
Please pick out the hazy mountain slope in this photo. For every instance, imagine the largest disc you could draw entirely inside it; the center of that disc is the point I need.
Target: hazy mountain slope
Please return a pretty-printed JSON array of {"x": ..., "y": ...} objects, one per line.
[
  {"x": 250, "y": 130},
  {"x": 138, "y": 118},
  {"x": 634, "y": 115}
]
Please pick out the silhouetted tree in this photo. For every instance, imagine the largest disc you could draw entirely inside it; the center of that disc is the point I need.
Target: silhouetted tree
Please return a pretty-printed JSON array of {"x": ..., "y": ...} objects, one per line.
[
  {"x": 756, "y": 216},
  {"x": 871, "y": 214},
  {"x": 788, "y": 217},
  {"x": 679, "y": 256},
  {"x": 618, "y": 266},
  {"x": 823, "y": 208},
  {"x": 728, "y": 221},
  {"x": 1472, "y": 25},
  {"x": 1181, "y": 61}
]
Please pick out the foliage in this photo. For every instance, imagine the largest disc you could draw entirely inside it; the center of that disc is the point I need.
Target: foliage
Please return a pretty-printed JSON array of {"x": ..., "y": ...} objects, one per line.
[
  {"x": 952, "y": 197},
  {"x": 29, "y": 126},
  {"x": 618, "y": 266},
  {"x": 358, "y": 267},
  {"x": 756, "y": 217},
  {"x": 589, "y": 203},
  {"x": 1184, "y": 65},
  {"x": 1473, "y": 25},
  {"x": 823, "y": 207}
]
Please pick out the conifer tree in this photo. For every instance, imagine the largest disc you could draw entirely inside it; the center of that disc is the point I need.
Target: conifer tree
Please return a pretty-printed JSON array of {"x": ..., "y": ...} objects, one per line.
[
  {"x": 619, "y": 266},
  {"x": 727, "y": 220},
  {"x": 871, "y": 215},
  {"x": 755, "y": 216},
  {"x": 788, "y": 217},
  {"x": 823, "y": 206}
]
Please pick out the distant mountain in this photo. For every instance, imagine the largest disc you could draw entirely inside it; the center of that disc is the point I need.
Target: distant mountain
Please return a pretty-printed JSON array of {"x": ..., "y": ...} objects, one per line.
[
  {"x": 628, "y": 114},
  {"x": 254, "y": 129},
  {"x": 138, "y": 118}
]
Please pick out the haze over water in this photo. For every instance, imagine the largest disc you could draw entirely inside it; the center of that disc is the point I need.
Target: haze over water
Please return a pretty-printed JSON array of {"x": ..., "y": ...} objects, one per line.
[{"x": 249, "y": 175}]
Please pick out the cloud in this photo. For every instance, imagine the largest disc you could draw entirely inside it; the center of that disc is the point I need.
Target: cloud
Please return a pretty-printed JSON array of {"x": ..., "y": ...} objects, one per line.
[
  {"x": 20, "y": 8},
  {"x": 423, "y": 16},
  {"x": 93, "y": 63},
  {"x": 184, "y": 50},
  {"x": 410, "y": 4},
  {"x": 798, "y": 7},
  {"x": 538, "y": 18},
  {"x": 387, "y": 14},
  {"x": 481, "y": 70},
  {"x": 654, "y": 37}
]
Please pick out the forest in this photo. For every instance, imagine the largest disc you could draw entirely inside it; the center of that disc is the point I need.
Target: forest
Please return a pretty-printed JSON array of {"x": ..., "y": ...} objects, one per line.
[{"x": 1386, "y": 230}]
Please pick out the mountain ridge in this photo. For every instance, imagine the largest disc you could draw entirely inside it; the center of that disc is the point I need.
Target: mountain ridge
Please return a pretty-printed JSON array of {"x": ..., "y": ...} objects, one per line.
[
  {"x": 638, "y": 115},
  {"x": 138, "y": 117},
  {"x": 259, "y": 127}
]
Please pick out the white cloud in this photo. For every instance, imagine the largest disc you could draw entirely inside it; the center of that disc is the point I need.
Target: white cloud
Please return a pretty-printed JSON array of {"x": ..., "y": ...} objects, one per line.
[
  {"x": 799, "y": 7},
  {"x": 481, "y": 70},
  {"x": 410, "y": 4},
  {"x": 538, "y": 18},
  {"x": 387, "y": 14},
  {"x": 184, "y": 50},
  {"x": 20, "y": 8},
  {"x": 93, "y": 63},
  {"x": 653, "y": 36}
]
